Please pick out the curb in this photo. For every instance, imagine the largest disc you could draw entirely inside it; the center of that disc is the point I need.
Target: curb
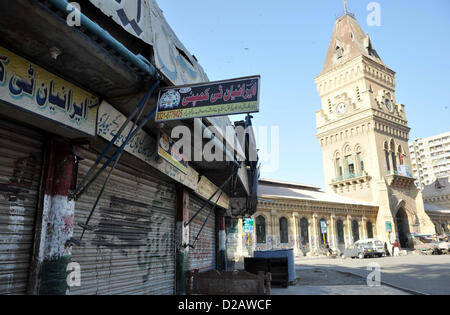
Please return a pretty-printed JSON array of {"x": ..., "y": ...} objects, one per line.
[{"x": 412, "y": 292}]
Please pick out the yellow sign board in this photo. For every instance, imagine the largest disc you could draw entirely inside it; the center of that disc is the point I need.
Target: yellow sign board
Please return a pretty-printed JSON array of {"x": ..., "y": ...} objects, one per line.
[{"x": 36, "y": 90}]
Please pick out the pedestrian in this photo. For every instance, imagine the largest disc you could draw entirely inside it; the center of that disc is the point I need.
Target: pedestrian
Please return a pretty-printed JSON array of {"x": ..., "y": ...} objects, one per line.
[
  {"x": 330, "y": 252},
  {"x": 386, "y": 251},
  {"x": 396, "y": 248}
]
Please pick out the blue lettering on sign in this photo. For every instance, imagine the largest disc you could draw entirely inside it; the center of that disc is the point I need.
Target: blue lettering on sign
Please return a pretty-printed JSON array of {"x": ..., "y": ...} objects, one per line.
[{"x": 125, "y": 20}]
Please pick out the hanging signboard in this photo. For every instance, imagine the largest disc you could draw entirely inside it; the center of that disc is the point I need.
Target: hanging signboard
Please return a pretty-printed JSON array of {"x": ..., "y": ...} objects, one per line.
[
  {"x": 142, "y": 145},
  {"x": 249, "y": 225},
  {"x": 36, "y": 90},
  {"x": 388, "y": 226},
  {"x": 145, "y": 20},
  {"x": 219, "y": 98},
  {"x": 167, "y": 151}
]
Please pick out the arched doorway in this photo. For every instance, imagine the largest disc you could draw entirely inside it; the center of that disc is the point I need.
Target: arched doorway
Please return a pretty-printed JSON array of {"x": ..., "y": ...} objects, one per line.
[
  {"x": 304, "y": 242},
  {"x": 369, "y": 228},
  {"x": 340, "y": 234},
  {"x": 260, "y": 230},
  {"x": 355, "y": 230},
  {"x": 402, "y": 227}
]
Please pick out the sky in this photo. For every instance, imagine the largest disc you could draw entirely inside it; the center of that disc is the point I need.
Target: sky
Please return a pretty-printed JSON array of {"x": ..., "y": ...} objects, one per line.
[{"x": 285, "y": 41}]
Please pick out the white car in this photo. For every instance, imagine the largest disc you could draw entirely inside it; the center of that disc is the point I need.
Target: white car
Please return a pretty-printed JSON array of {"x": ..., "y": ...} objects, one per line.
[{"x": 365, "y": 248}]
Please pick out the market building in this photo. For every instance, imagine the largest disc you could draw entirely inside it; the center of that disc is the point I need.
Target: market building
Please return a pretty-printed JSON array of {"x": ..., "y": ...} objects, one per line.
[
  {"x": 69, "y": 79},
  {"x": 304, "y": 218},
  {"x": 363, "y": 132}
]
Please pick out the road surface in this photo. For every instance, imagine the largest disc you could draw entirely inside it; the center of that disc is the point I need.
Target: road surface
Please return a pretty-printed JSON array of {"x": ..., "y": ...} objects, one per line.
[{"x": 415, "y": 273}]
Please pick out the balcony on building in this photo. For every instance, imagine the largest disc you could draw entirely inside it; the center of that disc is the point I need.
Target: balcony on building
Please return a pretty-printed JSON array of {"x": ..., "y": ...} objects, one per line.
[
  {"x": 350, "y": 179},
  {"x": 400, "y": 178}
]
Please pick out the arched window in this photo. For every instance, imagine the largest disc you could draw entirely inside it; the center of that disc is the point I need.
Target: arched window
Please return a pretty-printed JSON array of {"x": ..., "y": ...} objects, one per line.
[
  {"x": 260, "y": 230},
  {"x": 355, "y": 230},
  {"x": 349, "y": 163},
  {"x": 284, "y": 234},
  {"x": 386, "y": 154},
  {"x": 401, "y": 156},
  {"x": 359, "y": 161},
  {"x": 340, "y": 232},
  {"x": 394, "y": 158},
  {"x": 339, "y": 52},
  {"x": 369, "y": 229},
  {"x": 323, "y": 232},
  {"x": 304, "y": 231},
  {"x": 338, "y": 166}
]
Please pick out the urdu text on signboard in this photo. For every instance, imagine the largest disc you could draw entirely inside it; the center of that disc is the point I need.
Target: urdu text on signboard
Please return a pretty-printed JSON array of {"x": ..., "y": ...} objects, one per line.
[{"x": 237, "y": 96}]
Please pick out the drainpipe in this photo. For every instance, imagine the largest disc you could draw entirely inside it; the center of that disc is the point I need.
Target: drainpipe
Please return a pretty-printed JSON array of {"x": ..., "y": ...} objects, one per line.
[{"x": 137, "y": 60}]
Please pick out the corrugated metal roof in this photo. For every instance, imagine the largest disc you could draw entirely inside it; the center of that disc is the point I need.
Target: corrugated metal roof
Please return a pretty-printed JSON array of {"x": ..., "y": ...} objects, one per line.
[
  {"x": 286, "y": 183},
  {"x": 267, "y": 191},
  {"x": 435, "y": 208}
]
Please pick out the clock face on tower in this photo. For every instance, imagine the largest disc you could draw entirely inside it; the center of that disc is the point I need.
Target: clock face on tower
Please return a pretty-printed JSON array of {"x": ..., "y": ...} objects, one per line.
[
  {"x": 388, "y": 104},
  {"x": 341, "y": 108}
]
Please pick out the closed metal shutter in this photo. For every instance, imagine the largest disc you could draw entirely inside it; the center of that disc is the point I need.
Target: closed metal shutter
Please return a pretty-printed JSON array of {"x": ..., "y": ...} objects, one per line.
[
  {"x": 203, "y": 256},
  {"x": 131, "y": 249},
  {"x": 20, "y": 175}
]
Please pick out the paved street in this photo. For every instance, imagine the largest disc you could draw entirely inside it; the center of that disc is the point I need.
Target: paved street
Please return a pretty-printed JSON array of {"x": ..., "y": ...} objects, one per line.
[
  {"x": 325, "y": 281},
  {"x": 421, "y": 274}
]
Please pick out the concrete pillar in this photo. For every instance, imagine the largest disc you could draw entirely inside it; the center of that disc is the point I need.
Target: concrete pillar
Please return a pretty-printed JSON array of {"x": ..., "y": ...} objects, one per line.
[
  {"x": 310, "y": 235},
  {"x": 182, "y": 240},
  {"x": 363, "y": 228},
  {"x": 333, "y": 235},
  {"x": 54, "y": 252},
  {"x": 273, "y": 219},
  {"x": 349, "y": 240},
  {"x": 221, "y": 254},
  {"x": 316, "y": 236},
  {"x": 295, "y": 233}
]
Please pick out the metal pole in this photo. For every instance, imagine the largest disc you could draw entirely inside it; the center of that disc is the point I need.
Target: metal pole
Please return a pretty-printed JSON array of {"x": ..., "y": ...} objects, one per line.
[
  {"x": 212, "y": 196},
  {"x": 137, "y": 110}
]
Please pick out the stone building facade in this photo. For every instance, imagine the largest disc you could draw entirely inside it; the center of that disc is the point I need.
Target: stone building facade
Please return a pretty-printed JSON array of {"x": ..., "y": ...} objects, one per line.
[
  {"x": 304, "y": 218},
  {"x": 364, "y": 133}
]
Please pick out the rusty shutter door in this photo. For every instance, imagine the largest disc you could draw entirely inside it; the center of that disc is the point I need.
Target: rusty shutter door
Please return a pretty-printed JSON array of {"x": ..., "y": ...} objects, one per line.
[
  {"x": 203, "y": 256},
  {"x": 20, "y": 175},
  {"x": 131, "y": 249}
]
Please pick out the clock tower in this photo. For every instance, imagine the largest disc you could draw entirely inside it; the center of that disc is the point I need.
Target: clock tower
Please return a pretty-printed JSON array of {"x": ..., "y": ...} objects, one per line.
[{"x": 363, "y": 132}]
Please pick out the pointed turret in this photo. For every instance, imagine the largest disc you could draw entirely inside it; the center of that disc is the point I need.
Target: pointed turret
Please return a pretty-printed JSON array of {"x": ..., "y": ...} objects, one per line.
[{"x": 348, "y": 42}]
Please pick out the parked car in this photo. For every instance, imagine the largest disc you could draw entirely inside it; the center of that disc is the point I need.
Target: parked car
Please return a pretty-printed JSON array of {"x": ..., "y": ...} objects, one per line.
[{"x": 364, "y": 248}]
